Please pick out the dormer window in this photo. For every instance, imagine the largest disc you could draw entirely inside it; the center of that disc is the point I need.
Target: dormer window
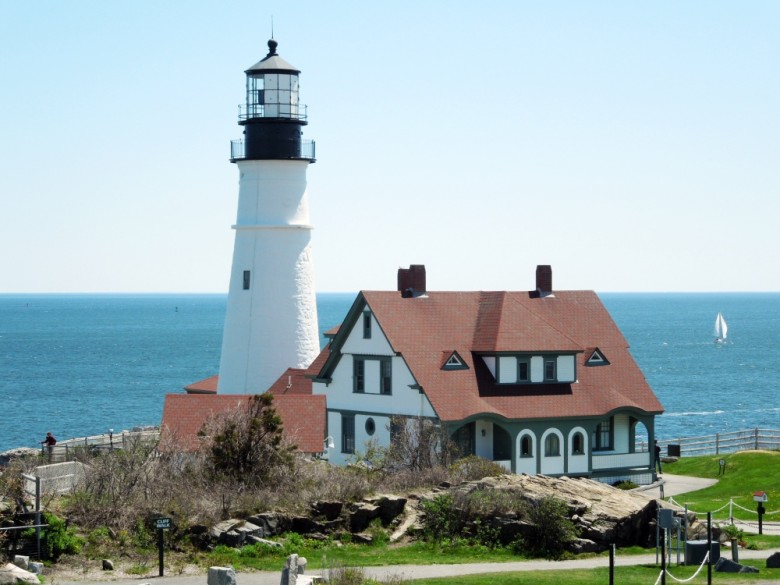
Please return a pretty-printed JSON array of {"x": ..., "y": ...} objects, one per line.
[
  {"x": 597, "y": 359},
  {"x": 454, "y": 362},
  {"x": 523, "y": 369},
  {"x": 549, "y": 370},
  {"x": 532, "y": 369}
]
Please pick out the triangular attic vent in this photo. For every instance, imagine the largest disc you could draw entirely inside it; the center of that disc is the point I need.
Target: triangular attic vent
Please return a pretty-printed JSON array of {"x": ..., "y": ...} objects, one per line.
[
  {"x": 454, "y": 362},
  {"x": 597, "y": 359}
]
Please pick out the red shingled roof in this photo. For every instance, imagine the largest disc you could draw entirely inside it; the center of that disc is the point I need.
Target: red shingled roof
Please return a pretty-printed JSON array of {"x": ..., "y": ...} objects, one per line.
[
  {"x": 424, "y": 328},
  {"x": 293, "y": 381},
  {"x": 303, "y": 418}
]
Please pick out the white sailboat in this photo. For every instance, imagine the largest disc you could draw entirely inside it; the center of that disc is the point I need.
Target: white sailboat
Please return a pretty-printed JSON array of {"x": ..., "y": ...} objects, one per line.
[{"x": 721, "y": 328}]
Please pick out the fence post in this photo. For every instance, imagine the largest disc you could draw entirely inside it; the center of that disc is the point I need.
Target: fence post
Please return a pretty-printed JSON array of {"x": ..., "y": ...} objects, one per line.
[
  {"x": 756, "y": 440},
  {"x": 38, "y": 515},
  {"x": 717, "y": 443}
]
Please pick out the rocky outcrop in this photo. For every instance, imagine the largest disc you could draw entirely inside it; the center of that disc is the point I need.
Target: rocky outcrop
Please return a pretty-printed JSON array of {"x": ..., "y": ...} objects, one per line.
[{"x": 603, "y": 515}]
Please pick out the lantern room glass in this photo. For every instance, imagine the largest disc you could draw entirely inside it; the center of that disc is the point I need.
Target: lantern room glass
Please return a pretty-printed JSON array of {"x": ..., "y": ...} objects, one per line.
[{"x": 272, "y": 95}]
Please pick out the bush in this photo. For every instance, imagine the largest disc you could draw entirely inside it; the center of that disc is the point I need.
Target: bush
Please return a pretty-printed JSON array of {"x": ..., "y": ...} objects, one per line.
[
  {"x": 441, "y": 518},
  {"x": 472, "y": 467},
  {"x": 58, "y": 539},
  {"x": 551, "y": 528}
]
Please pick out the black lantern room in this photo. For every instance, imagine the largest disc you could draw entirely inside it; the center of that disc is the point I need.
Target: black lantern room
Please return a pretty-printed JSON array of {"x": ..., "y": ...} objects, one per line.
[{"x": 272, "y": 118}]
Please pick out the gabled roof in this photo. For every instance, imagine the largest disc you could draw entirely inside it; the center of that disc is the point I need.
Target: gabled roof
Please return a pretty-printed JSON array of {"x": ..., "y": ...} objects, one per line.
[
  {"x": 303, "y": 418},
  {"x": 479, "y": 323}
]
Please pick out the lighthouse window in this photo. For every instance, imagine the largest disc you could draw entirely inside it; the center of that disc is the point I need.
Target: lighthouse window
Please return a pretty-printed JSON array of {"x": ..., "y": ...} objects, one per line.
[{"x": 246, "y": 279}]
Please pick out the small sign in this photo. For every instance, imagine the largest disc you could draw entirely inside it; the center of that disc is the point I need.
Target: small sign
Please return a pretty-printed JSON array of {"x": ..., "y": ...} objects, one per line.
[
  {"x": 760, "y": 497},
  {"x": 163, "y": 523}
]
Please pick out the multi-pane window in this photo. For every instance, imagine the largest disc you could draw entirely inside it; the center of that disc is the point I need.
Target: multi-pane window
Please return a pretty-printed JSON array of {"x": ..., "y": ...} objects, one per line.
[
  {"x": 359, "y": 375},
  {"x": 372, "y": 375},
  {"x": 603, "y": 435},
  {"x": 347, "y": 433},
  {"x": 549, "y": 369},
  {"x": 386, "y": 377}
]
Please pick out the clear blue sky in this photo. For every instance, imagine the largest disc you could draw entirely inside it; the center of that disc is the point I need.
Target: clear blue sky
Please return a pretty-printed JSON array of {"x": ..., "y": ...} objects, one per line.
[{"x": 632, "y": 145}]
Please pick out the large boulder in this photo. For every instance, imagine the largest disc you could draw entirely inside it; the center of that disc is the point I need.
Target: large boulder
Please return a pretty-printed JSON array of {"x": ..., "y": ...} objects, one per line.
[{"x": 10, "y": 574}]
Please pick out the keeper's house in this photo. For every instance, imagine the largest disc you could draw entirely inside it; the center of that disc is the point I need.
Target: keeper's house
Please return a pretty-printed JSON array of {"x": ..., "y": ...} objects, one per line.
[{"x": 541, "y": 382}]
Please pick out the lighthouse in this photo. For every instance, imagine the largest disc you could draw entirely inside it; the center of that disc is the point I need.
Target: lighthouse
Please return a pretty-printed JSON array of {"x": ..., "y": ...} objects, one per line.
[{"x": 271, "y": 316}]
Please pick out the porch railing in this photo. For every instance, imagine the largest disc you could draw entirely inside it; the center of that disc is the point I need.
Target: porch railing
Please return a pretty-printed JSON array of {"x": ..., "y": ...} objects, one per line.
[{"x": 620, "y": 461}]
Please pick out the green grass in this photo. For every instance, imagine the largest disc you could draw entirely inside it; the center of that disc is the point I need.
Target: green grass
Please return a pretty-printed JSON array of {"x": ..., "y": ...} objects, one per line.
[
  {"x": 323, "y": 555},
  {"x": 638, "y": 575},
  {"x": 746, "y": 472}
]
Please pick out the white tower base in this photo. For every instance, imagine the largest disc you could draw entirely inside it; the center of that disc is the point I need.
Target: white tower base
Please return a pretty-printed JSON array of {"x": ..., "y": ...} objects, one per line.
[{"x": 271, "y": 317}]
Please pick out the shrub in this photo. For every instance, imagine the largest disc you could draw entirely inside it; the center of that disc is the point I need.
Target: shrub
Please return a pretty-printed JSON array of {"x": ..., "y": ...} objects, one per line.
[
  {"x": 441, "y": 518},
  {"x": 472, "y": 467},
  {"x": 58, "y": 539},
  {"x": 551, "y": 528}
]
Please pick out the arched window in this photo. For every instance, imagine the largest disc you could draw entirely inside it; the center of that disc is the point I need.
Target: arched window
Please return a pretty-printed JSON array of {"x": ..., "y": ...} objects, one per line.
[
  {"x": 552, "y": 445},
  {"x": 577, "y": 444},
  {"x": 525, "y": 446}
]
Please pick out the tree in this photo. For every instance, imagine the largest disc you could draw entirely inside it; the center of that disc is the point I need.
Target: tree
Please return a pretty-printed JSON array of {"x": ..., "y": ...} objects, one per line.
[
  {"x": 418, "y": 443},
  {"x": 247, "y": 445}
]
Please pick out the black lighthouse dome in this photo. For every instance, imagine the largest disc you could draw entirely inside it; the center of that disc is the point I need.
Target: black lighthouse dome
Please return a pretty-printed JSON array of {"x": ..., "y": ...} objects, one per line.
[{"x": 272, "y": 117}]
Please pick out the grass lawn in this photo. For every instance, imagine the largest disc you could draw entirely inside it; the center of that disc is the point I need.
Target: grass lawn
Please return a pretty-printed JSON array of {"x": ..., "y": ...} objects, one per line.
[
  {"x": 746, "y": 472},
  {"x": 639, "y": 575}
]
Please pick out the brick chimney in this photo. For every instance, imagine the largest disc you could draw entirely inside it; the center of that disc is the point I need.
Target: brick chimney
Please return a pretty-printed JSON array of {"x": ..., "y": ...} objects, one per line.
[
  {"x": 411, "y": 281},
  {"x": 544, "y": 280}
]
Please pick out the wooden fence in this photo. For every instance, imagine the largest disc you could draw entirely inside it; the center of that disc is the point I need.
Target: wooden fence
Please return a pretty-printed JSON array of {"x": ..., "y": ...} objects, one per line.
[{"x": 744, "y": 440}]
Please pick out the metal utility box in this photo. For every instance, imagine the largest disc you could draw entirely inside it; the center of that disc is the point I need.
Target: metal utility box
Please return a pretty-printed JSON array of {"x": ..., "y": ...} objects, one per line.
[{"x": 695, "y": 550}]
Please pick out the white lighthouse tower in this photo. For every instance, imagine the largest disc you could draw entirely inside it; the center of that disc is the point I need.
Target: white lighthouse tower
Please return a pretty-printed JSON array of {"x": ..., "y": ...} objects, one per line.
[{"x": 271, "y": 319}]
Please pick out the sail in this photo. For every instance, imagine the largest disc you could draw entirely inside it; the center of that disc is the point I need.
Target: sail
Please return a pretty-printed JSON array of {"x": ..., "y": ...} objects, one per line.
[{"x": 721, "y": 329}]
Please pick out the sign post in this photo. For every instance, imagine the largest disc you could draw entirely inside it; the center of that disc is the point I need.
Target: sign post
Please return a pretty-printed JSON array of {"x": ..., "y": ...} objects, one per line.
[
  {"x": 760, "y": 497},
  {"x": 162, "y": 524}
]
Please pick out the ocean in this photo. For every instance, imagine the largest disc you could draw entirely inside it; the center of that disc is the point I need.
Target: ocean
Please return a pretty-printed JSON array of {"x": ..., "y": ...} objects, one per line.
[{"x": 80, "y": 365}]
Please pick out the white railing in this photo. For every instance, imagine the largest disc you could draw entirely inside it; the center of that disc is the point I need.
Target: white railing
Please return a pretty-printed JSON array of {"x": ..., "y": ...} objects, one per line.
[{"x": 620, "y": 461}]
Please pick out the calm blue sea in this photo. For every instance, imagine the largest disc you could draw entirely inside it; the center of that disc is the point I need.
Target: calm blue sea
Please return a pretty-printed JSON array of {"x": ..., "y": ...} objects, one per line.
[{"x": 82, "y": 364}]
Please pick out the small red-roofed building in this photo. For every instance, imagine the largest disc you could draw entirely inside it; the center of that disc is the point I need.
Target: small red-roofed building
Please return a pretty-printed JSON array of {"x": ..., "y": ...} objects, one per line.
[
  {"x": 539, "y": 381},
  {"x": 302, "y": 414}
]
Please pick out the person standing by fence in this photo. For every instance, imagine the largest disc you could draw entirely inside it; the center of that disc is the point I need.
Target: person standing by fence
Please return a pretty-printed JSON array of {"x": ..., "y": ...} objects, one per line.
[
  {"x": 658, "y": 457},
  {"x": 49, "y": 443}
]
